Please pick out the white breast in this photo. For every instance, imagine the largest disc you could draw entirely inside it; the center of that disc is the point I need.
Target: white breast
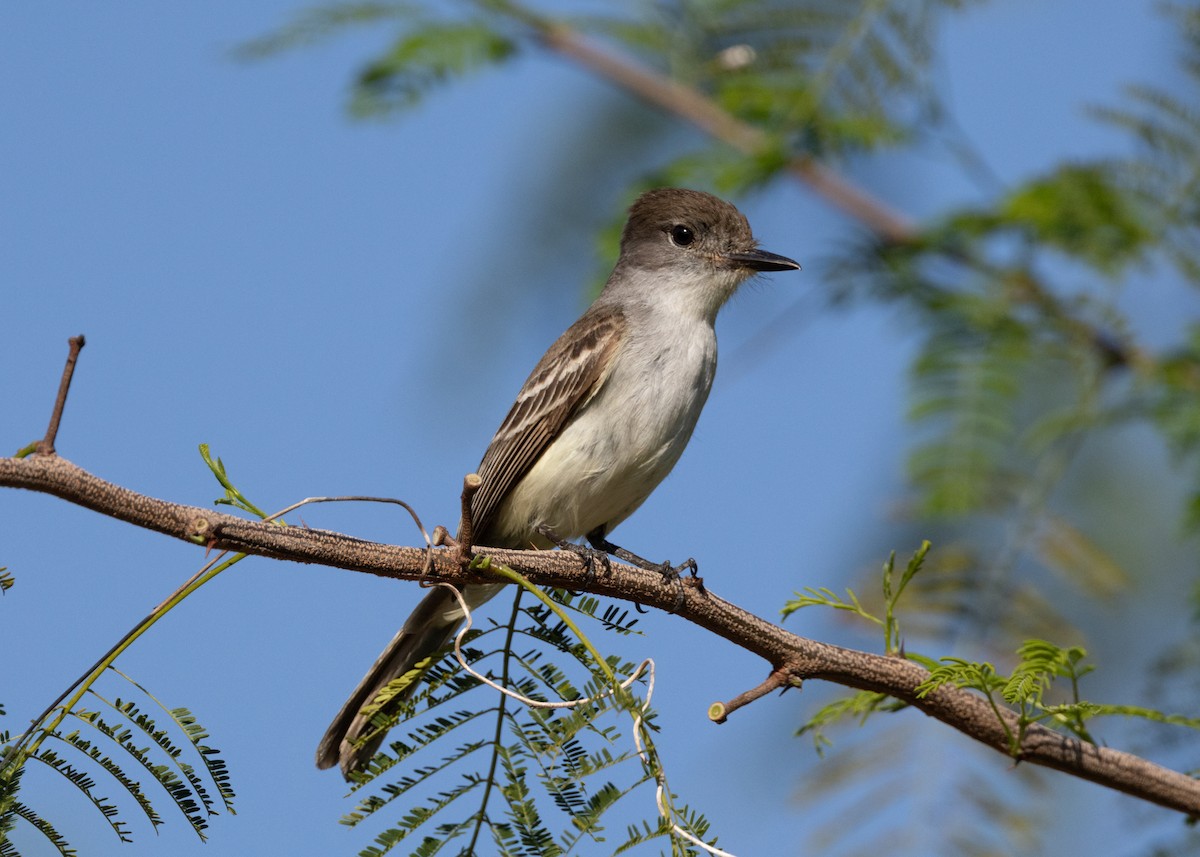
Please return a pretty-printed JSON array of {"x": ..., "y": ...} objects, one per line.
[{"x": 624, "y": 442}]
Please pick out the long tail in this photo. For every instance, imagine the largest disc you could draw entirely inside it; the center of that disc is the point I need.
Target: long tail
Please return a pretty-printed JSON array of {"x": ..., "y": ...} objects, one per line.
[{"x": 427, "y": 630}]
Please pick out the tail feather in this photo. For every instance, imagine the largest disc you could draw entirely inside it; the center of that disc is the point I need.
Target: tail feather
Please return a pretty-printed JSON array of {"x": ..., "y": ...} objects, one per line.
[{"x": 427, "y": 630}]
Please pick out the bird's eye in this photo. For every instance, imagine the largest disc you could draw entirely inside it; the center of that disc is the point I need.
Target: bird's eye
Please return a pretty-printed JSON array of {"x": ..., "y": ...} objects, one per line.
[{"x": 682, "y": 236}]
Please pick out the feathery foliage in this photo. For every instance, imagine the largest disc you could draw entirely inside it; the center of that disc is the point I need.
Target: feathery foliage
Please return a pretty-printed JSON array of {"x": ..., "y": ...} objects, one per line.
[
  {"x": 184, "y": 784},
  {"x": 102, "y": 751},
  {"x": 525, "y": 780},
  {"x": 431, "y": 48},
  {"x": 1041, "y": 664},
  {"x": 825, "y": 77},
  {"x": 892, "y": 588},
  {"x": 42, "y": 826}
]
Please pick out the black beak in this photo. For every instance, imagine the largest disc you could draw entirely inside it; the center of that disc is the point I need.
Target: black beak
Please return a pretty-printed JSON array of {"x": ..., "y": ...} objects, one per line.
[{"x": 761, "y": 260}]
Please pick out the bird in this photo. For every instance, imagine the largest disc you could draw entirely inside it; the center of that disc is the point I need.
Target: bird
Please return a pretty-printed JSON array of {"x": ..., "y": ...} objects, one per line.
[{"x": 598, "y": 424}]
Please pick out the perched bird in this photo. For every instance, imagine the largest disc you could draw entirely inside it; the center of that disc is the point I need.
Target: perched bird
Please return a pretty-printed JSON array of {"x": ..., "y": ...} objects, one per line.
[{"x": 598, "y": 424}]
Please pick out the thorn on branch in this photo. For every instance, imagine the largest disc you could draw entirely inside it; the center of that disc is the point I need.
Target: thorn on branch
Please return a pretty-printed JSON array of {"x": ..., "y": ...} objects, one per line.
[
  {"x": 46, "y": 445},
  {"x": 780, "y": 678}
]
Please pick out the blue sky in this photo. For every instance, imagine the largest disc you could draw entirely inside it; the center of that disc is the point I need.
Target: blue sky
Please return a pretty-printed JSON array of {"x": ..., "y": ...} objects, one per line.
[{"x": 341, "y": 307}]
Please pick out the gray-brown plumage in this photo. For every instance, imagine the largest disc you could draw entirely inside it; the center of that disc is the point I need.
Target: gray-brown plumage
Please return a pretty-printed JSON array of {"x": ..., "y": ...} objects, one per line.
[{"x": 599, "y": 422}]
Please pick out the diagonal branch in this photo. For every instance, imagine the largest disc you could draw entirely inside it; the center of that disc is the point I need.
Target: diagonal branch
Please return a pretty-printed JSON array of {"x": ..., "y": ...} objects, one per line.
[
  {"x": 888, "y": 224},
  {"x": 796, "y": 657},
  {"x": 695, "y": 107}
]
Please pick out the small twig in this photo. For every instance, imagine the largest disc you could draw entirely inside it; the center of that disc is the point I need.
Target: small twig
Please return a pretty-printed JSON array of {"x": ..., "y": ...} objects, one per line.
[
  {"x": 466, "y": 527},
  {"x": 46, "y": 445},
  {"x": 779, "y": 678}
]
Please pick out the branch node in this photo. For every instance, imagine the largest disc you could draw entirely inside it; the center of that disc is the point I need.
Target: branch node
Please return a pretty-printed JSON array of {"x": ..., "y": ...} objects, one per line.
[{"x": 199, "y": 531}]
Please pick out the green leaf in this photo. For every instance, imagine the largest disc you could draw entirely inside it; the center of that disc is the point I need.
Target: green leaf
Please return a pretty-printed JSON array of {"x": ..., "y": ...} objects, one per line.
[
  {"x": 82, "y": 781},
  {"x": 541, "y": 780},
  {"x": 44, "y": 827},
  {"x": 966, "y": 382},
  {"x": 1082, "y": 211},
  {"x": 317, "y": 24},
  {"x": 430, "y": 55},
  {"x": 859, "y": 705},
  {"x": 822, "y": 597}
]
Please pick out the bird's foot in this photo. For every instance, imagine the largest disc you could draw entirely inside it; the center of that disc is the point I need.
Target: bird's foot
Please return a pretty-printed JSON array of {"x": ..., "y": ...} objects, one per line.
[
  {"x": 591, "y": 556},
  {"x": 670, "y": 573}
]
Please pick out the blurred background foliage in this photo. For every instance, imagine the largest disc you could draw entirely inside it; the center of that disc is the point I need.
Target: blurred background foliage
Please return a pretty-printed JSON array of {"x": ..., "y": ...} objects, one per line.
[{"x": 1033, "y": 392}]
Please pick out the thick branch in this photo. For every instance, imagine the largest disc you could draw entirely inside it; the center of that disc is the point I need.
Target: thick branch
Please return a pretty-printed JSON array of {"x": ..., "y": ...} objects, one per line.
[{"x": 797, "y": 657}]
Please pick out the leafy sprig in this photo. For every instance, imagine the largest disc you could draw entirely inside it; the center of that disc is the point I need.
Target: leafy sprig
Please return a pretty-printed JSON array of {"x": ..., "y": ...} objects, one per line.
[
  {"x": 1042, "y": 666},
  {"x": 893, "y": 589}
]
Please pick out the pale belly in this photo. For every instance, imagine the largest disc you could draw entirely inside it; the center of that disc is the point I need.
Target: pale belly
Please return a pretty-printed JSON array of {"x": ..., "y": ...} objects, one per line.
[{"x": 617, "y": 450}]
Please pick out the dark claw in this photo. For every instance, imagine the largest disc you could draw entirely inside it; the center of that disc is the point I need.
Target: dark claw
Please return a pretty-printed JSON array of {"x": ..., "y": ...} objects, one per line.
[
  {"x": 679, "y": 596},
  {"x": 673, "y": 574},
  {"x": 589, "y": 556},
  {"x": 670, "y": 573}
]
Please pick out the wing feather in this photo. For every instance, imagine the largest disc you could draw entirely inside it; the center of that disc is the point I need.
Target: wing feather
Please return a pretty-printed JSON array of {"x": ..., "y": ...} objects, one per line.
[{"x": 566, "y": 378}]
